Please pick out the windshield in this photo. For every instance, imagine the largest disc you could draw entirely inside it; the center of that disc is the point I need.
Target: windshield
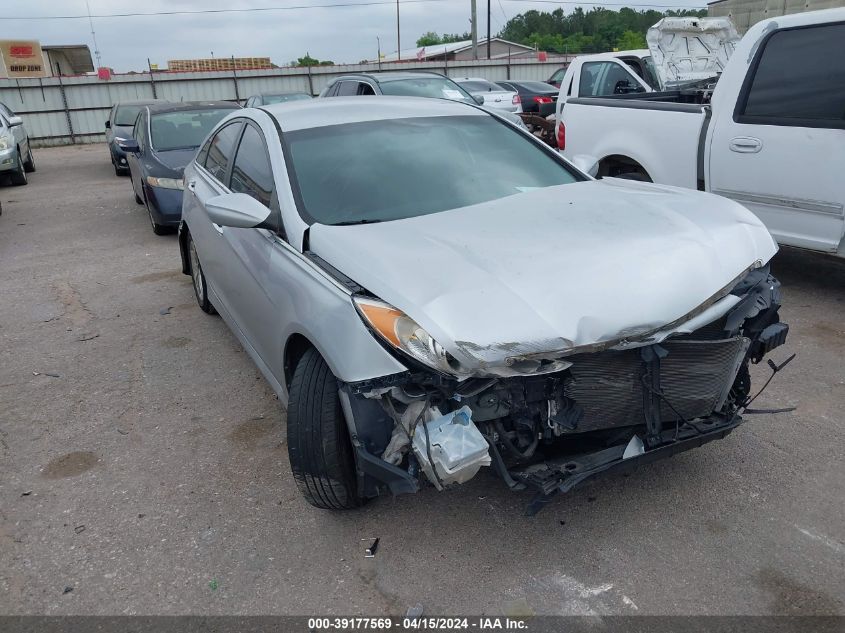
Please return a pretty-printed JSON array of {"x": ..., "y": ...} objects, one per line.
[
  {"x": 296, "y": 96},
  {"x": 434, "y": 87},
  {"x": 184, "y": 129},
  {"x": 127, "y": 114},
  {"x": 388, "y": 170}
]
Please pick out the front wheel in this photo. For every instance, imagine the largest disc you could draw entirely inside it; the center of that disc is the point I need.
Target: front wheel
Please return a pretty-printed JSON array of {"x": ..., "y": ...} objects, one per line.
[
  {"x": 319, "y": 447},
  {"x": 18, "y": 176},
  {"x": 29, "y": 163}
]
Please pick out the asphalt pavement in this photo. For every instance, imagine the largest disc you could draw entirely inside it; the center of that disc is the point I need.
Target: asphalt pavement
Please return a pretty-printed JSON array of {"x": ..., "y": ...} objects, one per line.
[{"x": 143, "y": 466}]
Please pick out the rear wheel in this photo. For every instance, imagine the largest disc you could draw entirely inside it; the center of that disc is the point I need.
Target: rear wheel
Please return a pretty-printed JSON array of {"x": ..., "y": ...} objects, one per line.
[
  {"x": 198, "y": 277},
  {"x": 319, "y": 447},
  {"x": 18, "y": 176}
]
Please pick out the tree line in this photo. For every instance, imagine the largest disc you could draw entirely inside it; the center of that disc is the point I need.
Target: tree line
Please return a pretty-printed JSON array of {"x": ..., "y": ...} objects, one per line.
[{"x": 580, "y": 31}]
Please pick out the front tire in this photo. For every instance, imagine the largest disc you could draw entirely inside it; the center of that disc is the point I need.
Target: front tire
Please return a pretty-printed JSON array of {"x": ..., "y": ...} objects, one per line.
[
  {"x": 18, "y": 176},
  {"x": 198, "y": 279},
  {"x": 319, "y": 447},
  {"x": 29, "y": 163}
]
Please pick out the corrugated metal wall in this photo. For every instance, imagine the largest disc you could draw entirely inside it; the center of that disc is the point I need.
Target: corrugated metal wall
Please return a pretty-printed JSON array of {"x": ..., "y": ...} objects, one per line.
[{"x": 65, "y": 110}]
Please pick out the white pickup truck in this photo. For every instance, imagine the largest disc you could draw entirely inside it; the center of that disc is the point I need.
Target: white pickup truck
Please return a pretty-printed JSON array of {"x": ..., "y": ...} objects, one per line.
[{"x": 768, "y": 132}]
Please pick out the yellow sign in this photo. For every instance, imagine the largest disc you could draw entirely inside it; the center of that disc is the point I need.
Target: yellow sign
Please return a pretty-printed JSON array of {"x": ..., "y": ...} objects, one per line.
[{"x": 22, "y": 58}]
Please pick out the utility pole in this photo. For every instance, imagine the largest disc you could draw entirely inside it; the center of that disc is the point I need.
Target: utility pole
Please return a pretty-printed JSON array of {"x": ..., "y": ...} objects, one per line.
[
  {"x": 488, "y": 30},
  {"x": 378, "y": 43},
  {"x": 398, "y": 38},
  {"x": 474, "y": 19}
]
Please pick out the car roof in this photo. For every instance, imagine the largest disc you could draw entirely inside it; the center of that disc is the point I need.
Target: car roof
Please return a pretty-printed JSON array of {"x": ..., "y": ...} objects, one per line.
[
  {"x": 522, "y": 82},
  {"x": 277, "y": 93},
  {"x": 140, "y": 102},
  {"x": 392, "y": 75},
  {"x": 164, "y": 106},
  {"x": 300, "y": 115}
]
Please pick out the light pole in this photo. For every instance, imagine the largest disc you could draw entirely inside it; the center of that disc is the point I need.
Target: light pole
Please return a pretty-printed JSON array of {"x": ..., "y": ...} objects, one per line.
[{"x": 398, "y": 38}]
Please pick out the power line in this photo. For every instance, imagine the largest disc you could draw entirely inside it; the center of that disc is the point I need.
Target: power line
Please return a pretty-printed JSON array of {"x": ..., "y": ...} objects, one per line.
[{"x": 334, "y": 5}]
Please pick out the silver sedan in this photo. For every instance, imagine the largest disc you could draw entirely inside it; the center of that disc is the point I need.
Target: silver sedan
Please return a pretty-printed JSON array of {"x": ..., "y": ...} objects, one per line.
[{"x": 434, "y": 293}]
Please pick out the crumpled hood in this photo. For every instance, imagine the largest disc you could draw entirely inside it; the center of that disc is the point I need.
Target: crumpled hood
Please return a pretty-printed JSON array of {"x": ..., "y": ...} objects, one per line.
[
  {"x": 691, "y": 49},
  {"x": 554, "y": 268}
]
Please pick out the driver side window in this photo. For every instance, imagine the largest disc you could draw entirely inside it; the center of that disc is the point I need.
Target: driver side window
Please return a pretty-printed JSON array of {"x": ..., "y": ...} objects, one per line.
[{"x": 139, "y": 132}]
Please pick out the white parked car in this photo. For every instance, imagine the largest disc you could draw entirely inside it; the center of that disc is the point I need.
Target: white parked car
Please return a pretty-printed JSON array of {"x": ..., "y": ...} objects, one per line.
[
  {"x": 769, "y": 132},
  {"x": 492, "y": 95},
  {"x": 16, "y": 159},
  {"x": 425, "y": 322}
]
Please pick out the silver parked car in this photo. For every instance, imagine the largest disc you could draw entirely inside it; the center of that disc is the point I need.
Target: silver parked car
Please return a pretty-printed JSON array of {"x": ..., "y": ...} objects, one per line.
[
  {"x": 492, "y": 95},
  {"x": 16, "y": 159},
  {"x": 424, "y": 322}
]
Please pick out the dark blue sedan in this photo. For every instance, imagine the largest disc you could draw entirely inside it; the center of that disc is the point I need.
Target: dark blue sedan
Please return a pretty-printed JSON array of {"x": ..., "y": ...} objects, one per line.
[{"x": 165, "y": 138}]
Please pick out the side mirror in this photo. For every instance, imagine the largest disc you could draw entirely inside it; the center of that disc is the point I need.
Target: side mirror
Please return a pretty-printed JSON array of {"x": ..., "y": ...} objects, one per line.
[
  {"x": 236, "y": 210},
  {"x": 108, "y": 125},
  {"x": 586, "y": 163},
  {"x": 479, "y": 99},
  {"x": 15, "y": 120},
  {"x": 128, "y": 145}
]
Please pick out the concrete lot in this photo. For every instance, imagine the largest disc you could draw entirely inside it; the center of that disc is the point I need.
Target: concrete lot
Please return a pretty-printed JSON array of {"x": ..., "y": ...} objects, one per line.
[{"x": 143, "y": 462}]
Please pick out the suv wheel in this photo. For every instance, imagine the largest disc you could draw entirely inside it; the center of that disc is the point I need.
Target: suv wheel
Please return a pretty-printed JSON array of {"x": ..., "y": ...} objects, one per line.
[{"x": 29, "y": 163}]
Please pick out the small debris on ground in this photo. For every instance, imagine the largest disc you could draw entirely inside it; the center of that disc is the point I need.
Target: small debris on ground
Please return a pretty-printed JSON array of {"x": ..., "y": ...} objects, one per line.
[
  {"x": 121, "y": 431},
  {"x": 141, "y": 516},
  {"x": 87, "y": 337},
  {"x": 213, "y": 584},
  {"x": 67, "y": 590},
  {"x": 165, "y": 310},
  {"x": 414, "y": 612},
  {"x": 26, "y": 493},
  {"x": 79, "y": 529},
  {"x": 370, "y": 552},
  {"x": 562, "y": 522}
]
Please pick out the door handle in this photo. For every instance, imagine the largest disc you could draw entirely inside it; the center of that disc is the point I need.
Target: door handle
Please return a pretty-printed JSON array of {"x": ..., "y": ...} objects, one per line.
[{"x": 746, "y": 145}]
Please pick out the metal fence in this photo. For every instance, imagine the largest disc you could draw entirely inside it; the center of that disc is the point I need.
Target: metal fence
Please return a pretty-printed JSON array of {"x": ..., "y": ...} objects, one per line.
[{"x": 67, "y": 110}]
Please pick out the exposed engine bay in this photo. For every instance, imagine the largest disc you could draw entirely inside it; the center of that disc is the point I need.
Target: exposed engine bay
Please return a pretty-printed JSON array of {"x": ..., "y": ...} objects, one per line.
[{"x": 607, "y": 409}]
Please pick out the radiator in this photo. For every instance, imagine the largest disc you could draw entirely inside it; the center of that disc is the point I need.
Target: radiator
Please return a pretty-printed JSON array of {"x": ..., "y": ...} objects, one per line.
[{"x": 695, "y": 376}]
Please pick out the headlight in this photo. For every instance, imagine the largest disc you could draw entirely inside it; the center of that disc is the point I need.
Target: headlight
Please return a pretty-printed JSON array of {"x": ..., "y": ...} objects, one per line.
[
  {"x": 166, "y": 183},
  {"x": 404, "y": 334},
  {"x": 5, "y": 142}
]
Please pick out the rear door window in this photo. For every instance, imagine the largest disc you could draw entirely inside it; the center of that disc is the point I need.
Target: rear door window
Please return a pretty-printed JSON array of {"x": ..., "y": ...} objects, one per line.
[
  {"x": 221, "y": 149},
  {"x": 798, "y": 80},
  {"x": 347, "y": 89}
]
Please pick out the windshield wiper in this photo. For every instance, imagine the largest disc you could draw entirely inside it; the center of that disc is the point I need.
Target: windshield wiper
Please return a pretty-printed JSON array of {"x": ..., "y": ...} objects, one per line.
[{"x": 352, "y": 222}]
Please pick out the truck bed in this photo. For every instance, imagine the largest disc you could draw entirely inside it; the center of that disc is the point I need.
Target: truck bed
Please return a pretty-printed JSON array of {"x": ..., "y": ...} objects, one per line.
[{"x": 658, "y": 131}]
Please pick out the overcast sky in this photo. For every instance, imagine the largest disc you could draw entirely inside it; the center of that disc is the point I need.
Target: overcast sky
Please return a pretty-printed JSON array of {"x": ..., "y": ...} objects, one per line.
[{"x": 342, "y": 34}]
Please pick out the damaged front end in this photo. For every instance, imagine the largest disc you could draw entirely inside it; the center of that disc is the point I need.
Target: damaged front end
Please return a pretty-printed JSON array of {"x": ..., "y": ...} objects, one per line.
[{"x": 547, "y": 421}]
